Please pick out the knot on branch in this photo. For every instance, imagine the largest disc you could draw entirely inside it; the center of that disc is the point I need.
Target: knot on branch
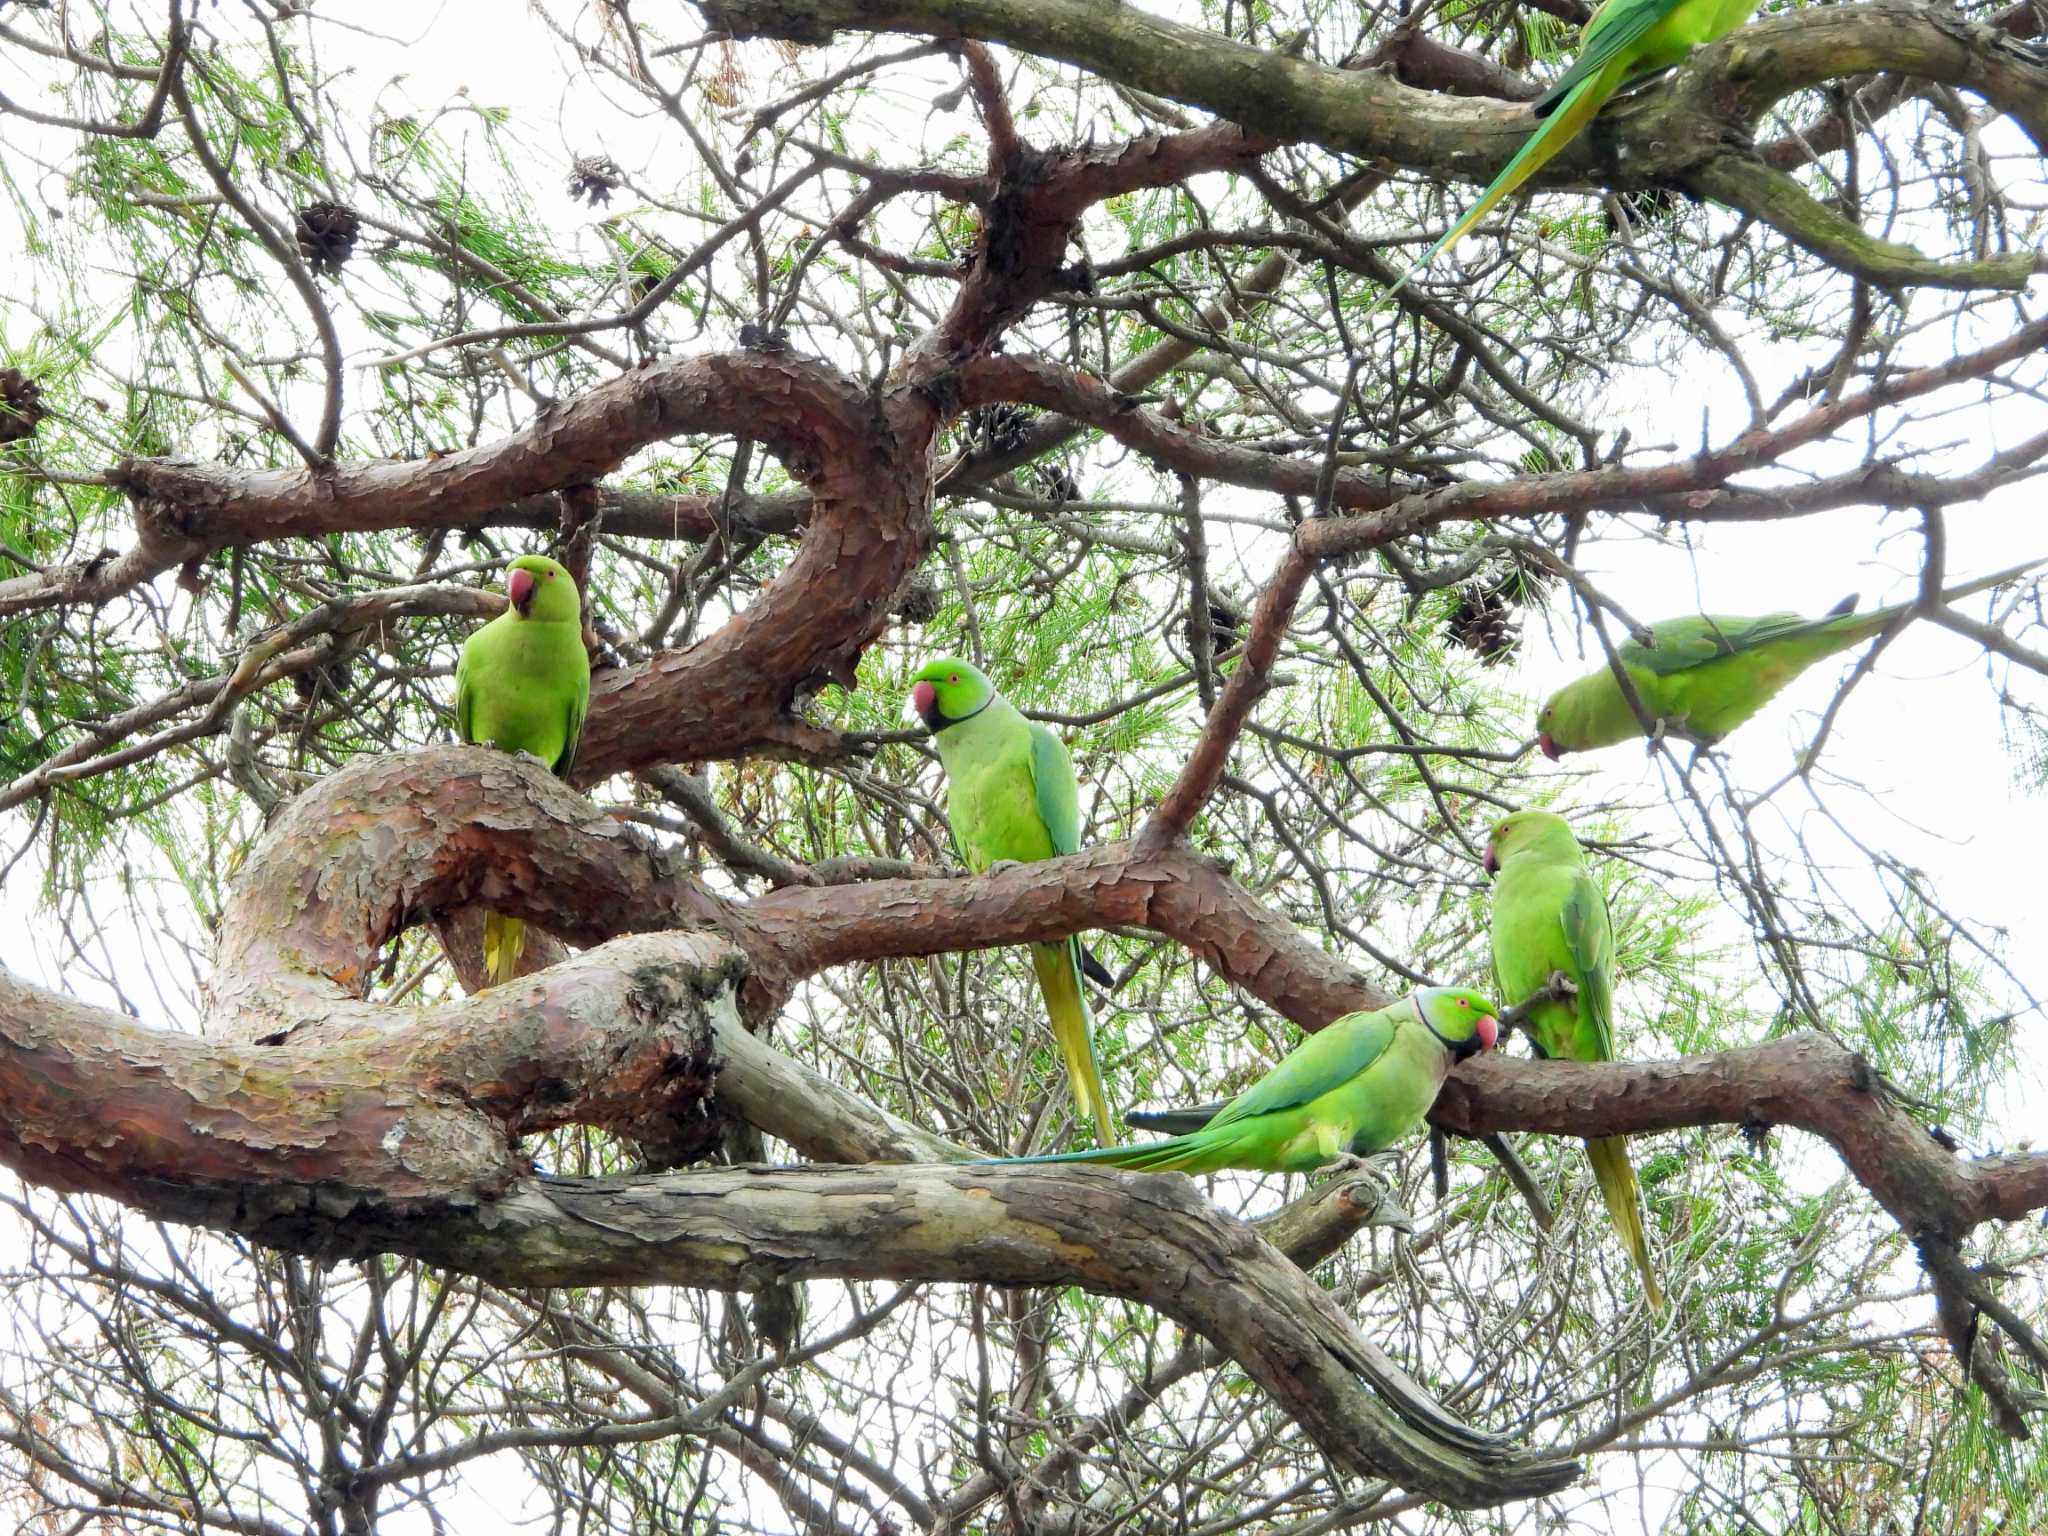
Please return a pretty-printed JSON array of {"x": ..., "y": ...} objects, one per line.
[
  {"x": 169, "y": 506},
  {"x": 390, "y": 841},
  {"x": 784, "y": 20}
]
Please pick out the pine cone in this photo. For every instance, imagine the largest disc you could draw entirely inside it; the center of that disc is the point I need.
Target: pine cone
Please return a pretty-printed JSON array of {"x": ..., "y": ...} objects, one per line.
[
  {"x": 921, "y": 601},
  {"x": 1058, "y": 483},
  {"x": 998, "y": 428},
  {"x": 594, "y": 178},
  {"x": 1226, "y": 626},
  {"x": 327, "y": 236},
  {"x": 21, "y": 405},
  {"x": 1484, "y": 624}
]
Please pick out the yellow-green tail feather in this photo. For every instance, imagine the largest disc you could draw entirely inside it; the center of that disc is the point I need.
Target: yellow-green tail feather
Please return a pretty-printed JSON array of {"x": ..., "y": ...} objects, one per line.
[
  {"x": 1059, "y": 978},
  {"x": 1617, "y": 1180},
  {"x": 504, "y": 940},
  {"x": 1538, "y": 150}
]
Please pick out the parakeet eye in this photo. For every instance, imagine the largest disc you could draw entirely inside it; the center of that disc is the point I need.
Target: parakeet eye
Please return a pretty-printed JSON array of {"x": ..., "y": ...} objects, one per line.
[
  {"x": 1464, "y": 1002},
  {"x": 954, "y": 678}
]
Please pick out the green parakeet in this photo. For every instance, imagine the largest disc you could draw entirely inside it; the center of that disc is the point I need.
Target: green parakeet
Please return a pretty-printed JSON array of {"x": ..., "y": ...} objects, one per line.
[
  {"x": 1011, "y": 798},
  {"x": 1703, "y": 676},
  {"x": 1625, "y": 39},
  {"x": 1548, "y": 916},
  {"x": 1352, "y": 1089},
  {"x": 523, "y": 684}
]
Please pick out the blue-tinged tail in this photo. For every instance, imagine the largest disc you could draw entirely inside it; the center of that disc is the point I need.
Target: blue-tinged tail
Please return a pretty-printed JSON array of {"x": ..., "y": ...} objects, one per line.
[{"x": 1178, "y": 1154}]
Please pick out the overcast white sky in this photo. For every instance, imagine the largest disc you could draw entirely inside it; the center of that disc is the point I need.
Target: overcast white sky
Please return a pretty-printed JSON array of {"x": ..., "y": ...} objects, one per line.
[{"x": 1921, "y": 735}]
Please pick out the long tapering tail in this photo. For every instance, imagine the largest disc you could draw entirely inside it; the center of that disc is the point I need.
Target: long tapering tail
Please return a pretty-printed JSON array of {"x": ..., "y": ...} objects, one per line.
[
  {"x": 504, "y": 940},
  {"x": 1860, "y": 626},
  {"x": 1624, "y": 1199},
  {"x": 1174, "y": 1155},
  {"x": 1577, "y": 109},
  {"x": 1059, "y": 978},
  {"x": 1174, "y": 1122}
]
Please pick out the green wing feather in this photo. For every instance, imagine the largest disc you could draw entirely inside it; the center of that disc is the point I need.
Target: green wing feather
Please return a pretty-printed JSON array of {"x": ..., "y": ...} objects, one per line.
[
  {"x": 1697, "y": 639},
  {"x": 1590, "y": 936},
  {"x": 1602, "y": 42},
  {"x": 1059, "y": 800},
  {"x": 579, "y": 707},
  {"x": 465, "y": 699},
  {"x": 1320, "y": 1063}
]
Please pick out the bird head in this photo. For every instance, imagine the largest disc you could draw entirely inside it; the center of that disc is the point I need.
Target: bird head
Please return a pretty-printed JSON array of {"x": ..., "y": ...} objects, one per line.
[
  {"x": 1527, "y": 831},
  {"x": 1464, "y": 1021},
  {"x": 1546, "y": 732},
  {"x": 542, "y": 589},
  {"x": 947, "y": 691}
]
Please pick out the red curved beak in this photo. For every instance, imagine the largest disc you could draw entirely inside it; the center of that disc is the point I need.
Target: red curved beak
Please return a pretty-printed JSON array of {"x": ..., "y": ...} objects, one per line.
[
  {"x": 1488, "y": 1031},
  {"x": 923, "y": 697},
  {"x": 1490, "y": 862},
  {"x": 1550, "y": 748},
  {"x": 519, "y": 587}
]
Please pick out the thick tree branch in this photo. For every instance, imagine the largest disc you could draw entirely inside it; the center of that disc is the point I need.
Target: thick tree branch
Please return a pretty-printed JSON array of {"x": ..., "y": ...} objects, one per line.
[
  {"x": 1084, "y": 398},
  {"x": 311, "y": 1119},
  {"x": 187, "y": 509},
  {"x": 1673, "y": 133},
  {"x": 1776, "y": 199},
  {"x": 357, "y": 1129},
  {"x": 1805, "y": 1080}
]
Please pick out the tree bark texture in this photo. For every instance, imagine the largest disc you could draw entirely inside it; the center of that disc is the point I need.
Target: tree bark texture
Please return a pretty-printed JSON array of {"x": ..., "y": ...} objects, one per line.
[
  {"x": 307, "y": 1117},
  {"x": 1693, "y": 133}
]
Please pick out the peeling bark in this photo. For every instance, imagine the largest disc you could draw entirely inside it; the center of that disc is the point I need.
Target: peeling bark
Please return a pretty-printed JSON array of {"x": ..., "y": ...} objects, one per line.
[
  {"x": 348, "y": 1140},
  {"x": 310, "y": 1119}
]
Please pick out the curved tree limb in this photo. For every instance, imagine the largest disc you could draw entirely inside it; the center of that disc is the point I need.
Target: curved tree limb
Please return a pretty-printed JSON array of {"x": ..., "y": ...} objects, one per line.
[
  {"x": 1678, "y": 132},
  {"x": 312, "y": 1119},
  {"x": 356, "y": 1129}
]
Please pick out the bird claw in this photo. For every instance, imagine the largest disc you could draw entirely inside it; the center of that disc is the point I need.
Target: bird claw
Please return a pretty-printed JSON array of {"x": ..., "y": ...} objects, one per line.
[
  {"x": 1349, "y": 1162},
  {"x": 1002, "y": 865},
  {"x": 1381, "y": 1165}
]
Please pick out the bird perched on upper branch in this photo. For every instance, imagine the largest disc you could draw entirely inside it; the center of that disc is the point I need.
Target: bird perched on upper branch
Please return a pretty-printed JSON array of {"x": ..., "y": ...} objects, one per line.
[
  {"x": 1624, "y": 40},
  {"x": 1011, "y": 797},
  {"x": 1550, "y": 916},
  {"x": 523, "y": 684},
  {"x": 1700, "y": 676},
  {"x": 1352, "y": 1089}
]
